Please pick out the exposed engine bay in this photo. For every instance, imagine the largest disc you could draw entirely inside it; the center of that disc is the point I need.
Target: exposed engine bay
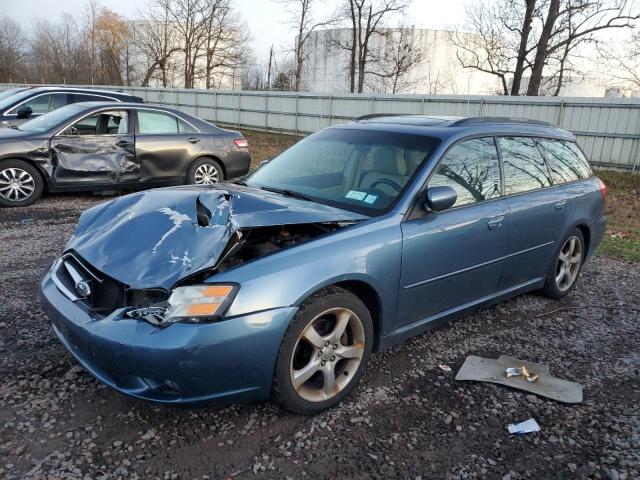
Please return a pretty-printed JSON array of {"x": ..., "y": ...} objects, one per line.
[{"x": 244, "y": 246}]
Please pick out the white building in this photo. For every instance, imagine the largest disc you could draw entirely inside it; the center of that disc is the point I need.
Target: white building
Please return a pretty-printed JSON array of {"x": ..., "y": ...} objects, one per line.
[{"x": 438, "y": 72}]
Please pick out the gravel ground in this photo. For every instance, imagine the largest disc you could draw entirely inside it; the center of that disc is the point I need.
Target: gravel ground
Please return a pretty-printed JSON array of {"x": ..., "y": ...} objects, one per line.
[{"x": 408, "y": 419}]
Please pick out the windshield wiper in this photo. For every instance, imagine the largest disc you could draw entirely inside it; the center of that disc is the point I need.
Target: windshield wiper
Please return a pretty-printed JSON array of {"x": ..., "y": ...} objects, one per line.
[
  {"x": 15, "y": 127},
  {"x": 288, "y": 193}
]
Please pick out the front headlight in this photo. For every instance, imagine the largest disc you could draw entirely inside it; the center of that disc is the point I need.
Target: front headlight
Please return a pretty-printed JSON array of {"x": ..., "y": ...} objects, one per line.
[{"x": 199, "y": 303}]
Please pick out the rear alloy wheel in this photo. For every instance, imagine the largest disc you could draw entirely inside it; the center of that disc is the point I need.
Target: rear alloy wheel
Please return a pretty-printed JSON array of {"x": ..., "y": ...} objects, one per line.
[
  {"x": 324, "y": 352},
  {"x": 205, "y": 172},
  {"x": 566, "y": 267},
  {"x": 20, "y": 184}
]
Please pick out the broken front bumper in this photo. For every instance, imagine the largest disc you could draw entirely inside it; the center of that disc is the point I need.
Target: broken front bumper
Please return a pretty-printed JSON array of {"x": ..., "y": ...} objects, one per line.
[{"x": 231, "y": 360}]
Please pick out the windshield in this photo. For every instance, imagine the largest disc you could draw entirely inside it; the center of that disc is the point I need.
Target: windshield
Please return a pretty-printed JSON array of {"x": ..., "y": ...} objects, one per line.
[
  {"x": 12, "y": 96},
  {"x": 51, "y": 120},
  {"x": 358, "y": 170}
]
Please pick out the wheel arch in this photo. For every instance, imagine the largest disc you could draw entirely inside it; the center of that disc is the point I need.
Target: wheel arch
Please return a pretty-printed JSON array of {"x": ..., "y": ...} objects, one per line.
[
  {"x": 362, "y": 289},
  {"x": 44, "y": 176},
  {"x": 586, "y": 234}
]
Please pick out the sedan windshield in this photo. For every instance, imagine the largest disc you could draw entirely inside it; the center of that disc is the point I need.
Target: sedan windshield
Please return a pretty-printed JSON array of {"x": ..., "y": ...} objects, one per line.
[
  {"x": 10, "y": 97},
  {"x": 359, "y": 170},
  {"x": 52, "y": 119}
]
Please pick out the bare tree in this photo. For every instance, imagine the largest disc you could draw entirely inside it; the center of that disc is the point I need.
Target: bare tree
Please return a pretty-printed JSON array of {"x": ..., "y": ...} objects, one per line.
[
  {"x": 302, "y": 20},
  {"x": 483, "y": 44},
  {"x": 569, "y": 22},
  {"x": 401, "y": 54},
  {"x": 622, "y": 63},
  {"x": 225, "y": 41},
  {"x": 512, "y": 37},
  {"x": 58, "y": 52},
  {"x": 112, "y": 36},
  {"x": 12, "y": 51},
  {"x": 155, "y": 39},
  {"x": 366, "y": 20}
]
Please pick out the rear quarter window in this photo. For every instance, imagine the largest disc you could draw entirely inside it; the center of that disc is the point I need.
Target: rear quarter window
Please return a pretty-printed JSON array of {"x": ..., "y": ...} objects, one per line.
[
  {"x": 524, "y": 166},
  {"x": 566, "y": 162}
]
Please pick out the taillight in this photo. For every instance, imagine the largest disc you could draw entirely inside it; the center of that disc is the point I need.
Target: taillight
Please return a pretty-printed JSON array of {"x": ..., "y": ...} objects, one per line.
[
  {"x": 603, "y": 189},
  {"x": 241, "y": 143}
]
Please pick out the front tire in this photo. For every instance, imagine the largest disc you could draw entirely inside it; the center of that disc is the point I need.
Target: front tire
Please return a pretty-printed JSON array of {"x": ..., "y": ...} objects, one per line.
[
  {"x": 566, "y": 266},
  {"x": 324, "y": 352},
  {"x": 205, "y": 171},
  {"x": 20, "y": 184}
]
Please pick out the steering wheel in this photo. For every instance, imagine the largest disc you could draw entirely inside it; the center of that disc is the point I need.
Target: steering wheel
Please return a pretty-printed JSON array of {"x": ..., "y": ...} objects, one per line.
[{"x": 389, "y": 183}]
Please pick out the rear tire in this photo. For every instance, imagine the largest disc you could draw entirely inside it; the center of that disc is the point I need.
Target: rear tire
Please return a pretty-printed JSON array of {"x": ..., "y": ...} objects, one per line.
[
  {"x": 20, "y": 184},
  {"x": 566, "y": 266},
  {"x": 324, "y": 352},
  {"x": 205, "y": 171}
]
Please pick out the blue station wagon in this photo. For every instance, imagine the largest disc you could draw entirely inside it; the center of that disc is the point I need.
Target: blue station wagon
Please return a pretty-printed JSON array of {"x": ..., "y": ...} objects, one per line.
[{"x": 352, "y": 240}]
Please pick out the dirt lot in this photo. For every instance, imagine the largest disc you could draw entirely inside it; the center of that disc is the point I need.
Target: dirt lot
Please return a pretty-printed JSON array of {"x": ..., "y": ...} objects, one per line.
[{"x": 408, "y": 419}]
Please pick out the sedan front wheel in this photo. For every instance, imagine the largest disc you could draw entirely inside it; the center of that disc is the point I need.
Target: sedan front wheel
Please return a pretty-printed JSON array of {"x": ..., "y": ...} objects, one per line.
[
  {"x": 20, "y": 184},
  {"x": 324, "y": 352}
]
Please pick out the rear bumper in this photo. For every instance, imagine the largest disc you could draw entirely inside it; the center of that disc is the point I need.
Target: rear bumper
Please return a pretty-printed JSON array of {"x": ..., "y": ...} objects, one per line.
[
  {"x": 227, "y": 361},
  {"x": 237, "y": 163}
]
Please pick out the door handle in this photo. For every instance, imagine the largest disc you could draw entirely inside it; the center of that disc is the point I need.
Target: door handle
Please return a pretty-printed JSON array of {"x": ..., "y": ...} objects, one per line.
[
  {"x": 560, "y": 205},
  {"x": 496, "y": 222},
  {"x": 123, "y": 144},
  {"x": 193, "y": 140}
]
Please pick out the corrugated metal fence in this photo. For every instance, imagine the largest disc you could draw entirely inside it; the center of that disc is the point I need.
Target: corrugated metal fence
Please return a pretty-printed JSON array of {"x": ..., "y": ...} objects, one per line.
[{"x": 608, "y": 129}]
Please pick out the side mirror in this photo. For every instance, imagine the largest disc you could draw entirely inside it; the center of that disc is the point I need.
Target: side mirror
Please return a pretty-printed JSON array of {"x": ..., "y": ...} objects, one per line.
[
  {"x": 440, "y": 198},
  {"x": 24, "y": 112}
]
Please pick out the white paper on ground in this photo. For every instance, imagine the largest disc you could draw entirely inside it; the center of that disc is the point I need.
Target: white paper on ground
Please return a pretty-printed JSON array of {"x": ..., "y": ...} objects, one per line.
[{"x": 527, "y": 426}]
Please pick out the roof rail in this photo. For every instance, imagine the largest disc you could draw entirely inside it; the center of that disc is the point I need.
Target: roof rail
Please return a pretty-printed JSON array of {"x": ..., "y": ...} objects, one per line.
[
  {"x": 370, "y": 116},
  {"x": 482, "y": 120}
]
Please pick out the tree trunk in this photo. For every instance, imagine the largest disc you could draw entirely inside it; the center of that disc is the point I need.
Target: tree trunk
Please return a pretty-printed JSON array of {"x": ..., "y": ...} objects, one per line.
[
  {"x": 354, "y": 40},
  {"x": 522, "y": 48},
  {"x": 541, "y": 51}
]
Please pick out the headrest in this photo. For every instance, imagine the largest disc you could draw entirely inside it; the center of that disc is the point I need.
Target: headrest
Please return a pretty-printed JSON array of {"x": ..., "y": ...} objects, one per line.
[{"x": 387, "y": 161}]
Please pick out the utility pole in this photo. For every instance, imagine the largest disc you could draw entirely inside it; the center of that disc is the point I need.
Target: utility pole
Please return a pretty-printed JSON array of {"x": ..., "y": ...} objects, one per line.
[{"x": 269, "y": 69}]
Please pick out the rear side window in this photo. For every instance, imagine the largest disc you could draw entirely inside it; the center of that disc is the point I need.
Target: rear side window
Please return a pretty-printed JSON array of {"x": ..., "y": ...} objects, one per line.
[
  {"x": 84, "y": 97},
  {"x": 45, "y": 103},
  {"x": 524, "y": 166},
  {"x": 157, "y": 122},
  {"x": 566, "y": 161},
  {"x": 472, "y": 169}
]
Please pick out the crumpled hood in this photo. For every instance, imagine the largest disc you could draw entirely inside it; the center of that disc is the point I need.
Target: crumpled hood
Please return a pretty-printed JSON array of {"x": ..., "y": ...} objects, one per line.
[{"x": 153, "y": 239}]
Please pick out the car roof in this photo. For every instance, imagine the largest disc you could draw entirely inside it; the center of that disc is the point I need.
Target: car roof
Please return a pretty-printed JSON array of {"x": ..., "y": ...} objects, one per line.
[
  {"x": 121, "y": 105},
  {"x": 445, "y": 127},
  {"x": 79, "y": 90}
]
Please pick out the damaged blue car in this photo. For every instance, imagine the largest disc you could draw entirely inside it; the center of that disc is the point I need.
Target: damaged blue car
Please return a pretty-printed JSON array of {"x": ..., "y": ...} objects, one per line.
[{"x": 354, "y": 239}]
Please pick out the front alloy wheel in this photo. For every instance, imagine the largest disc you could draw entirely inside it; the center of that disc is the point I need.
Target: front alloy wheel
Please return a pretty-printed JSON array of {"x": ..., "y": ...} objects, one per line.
[
  {"x": 327, "y": 354},
  {"x": 20, "y": 183},
  {"x": 16, "y": 185},
  {"x": 324, "y": 352}
]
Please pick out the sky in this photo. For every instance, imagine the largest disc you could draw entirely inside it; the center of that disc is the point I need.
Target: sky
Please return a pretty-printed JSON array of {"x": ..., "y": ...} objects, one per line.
[{"x": 265, "y": 18}]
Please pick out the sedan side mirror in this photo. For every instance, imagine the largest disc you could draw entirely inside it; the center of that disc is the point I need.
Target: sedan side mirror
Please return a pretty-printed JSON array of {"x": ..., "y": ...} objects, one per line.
[
  {"x": 440, "y": 198},
  {"x": 24, "y": 111}
]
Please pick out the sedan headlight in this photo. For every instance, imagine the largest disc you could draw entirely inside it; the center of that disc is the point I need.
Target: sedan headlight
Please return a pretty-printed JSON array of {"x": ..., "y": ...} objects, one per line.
[{"x": 199, "y": 303}]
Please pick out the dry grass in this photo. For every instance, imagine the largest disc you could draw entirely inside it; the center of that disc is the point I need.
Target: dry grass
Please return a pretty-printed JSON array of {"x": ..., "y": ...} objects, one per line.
[
  {"x": 623, "y": 210},
  {"x": 266, "y": 145}
]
